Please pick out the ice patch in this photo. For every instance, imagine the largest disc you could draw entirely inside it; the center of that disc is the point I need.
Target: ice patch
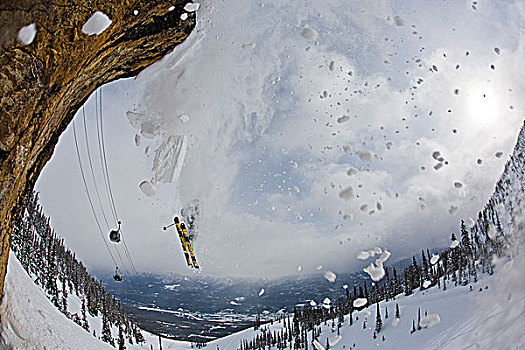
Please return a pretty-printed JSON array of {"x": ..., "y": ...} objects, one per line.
[
  {"x": 330, "y": 276},
  {"x": 430, "y": 320},
  {"x": 96, "y": 24},
  {"x": 309, "y": 34},
  {"x": 148, "y": 188},
  {"x": 192, "y": 7},
  {"x": 26, "y": 34},
  {"x": 359, "y": 302}
]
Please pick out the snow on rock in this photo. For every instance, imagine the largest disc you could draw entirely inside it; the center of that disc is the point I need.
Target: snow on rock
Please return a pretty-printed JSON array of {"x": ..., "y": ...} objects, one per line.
[
  {"x": 334, "y": 340},
  {"x": 327, "y": 301},
  {"x": 434, "y": 259},
  {"x": 192, "y": 7},
  {"x": 261, "y": 292},
  {"x": 454, "y": 244},
  {"x": 312, "y": 303},
  {"x": 345, "y": 286},
  {"x": 426, "y": 284},
  {"x": 148, "y": 188},
  {"x": 137, "y": 140},
  {"x": 184, "y": 16},
  {"x": 330, "y": 276},
  {"x": 317, "y": 345},
  {"x": 498, "y": 154},
  {"x": 347, "y": 193},
  {"x": 147, "y": 130},
  {"x": 365, "y": 155},
  {"x": 359, "y": 302},
  {"x": 96, "y": 24},
  {"x": 430, "y": 320},
  {"x": 378, "y": 250},
  {"x": 376, "y": 273},
  {"x": 169, "y": 158},
  {"x": 458, "y": 184},
  {"x": 309, "y": 34},
  {"x": 26, "y": 34},
  {"x": 363, "y": 255}
]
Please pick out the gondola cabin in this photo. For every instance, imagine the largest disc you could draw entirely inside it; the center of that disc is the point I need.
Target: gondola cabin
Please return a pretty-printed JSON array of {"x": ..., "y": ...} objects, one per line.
[
  {"x": 114, "y": 235},
  {"x": 117, "y": 277}
]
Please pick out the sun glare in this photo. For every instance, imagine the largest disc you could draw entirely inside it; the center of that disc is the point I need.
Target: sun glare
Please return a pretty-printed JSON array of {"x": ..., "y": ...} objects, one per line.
[{"x": 483, "y": 107}]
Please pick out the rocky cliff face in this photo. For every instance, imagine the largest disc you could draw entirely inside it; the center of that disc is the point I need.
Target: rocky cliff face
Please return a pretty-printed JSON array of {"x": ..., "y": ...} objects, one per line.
[{"x": 43, "y": 84}]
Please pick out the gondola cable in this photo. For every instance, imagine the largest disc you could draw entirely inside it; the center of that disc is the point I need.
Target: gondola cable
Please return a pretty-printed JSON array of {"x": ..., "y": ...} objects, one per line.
[
  {"x": 102, "y": 150},
  {"x": 96, "y": 187},
  {"x": 89, "y": 196}
]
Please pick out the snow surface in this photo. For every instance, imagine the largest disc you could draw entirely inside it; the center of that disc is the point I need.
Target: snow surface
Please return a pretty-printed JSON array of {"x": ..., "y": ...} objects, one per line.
[
  {"x": 96, "y": 24},
  {"x": 26, "y": 35}
]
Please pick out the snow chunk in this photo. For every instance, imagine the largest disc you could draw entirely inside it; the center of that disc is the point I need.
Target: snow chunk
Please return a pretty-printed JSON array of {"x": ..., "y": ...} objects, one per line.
[
  {"x": 309, "y": 34},
  {"x": 376, "y": 273},
  {"x": 135, "y": 12},
  {"x": 234, "y": 303},
  {"x": 454, "y": 244},
  {"x": 343, "y": 119},
  {"x": 399, "y": 21},
  {"x": 147, "y": 130},
  {"x": 351, "y": 171},
  {"x": 334, "y": 340},
  {"x": 378, "y": 250},
  {"x": 345, "y": 286},
  {"x": 363, "y": 255},
  {"x": 312, "y": 303},
  {"x": 359, "y": 302},
  {"x": 169, "y": 157},
  {"x": 395, "y": 322},
  {"x": 426, "y": 284},
  {"x": 96, "y": 24},
  {"x": 384, "y": 257},
  {"x": 192, "y": 7},
  {"x": 184, "y": 118},
  {"x": 364, "y": 155},
  {"x": 261, "y": 292},
  {"x": 317, "y": 345},
  {"x": 26, "y": 34},
  {"x": 326, "y": 301},
  {"x": 434, "y": 259},
  {"x": 430, "y": 320},
  {"x": 299, "y": 268},
  {"x": 184, "y": 16},
  {"x": 148, "y": 188},
  {"x": 171, "y": 8},
  {"x": 347, "y": 193},
  {"x": 330, "y": 276}
]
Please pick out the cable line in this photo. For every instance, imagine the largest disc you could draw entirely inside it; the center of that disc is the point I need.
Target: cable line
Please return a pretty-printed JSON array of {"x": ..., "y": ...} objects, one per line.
[
  {"x": 106, "y": 177},
  {"x": 89, "y": 197}
]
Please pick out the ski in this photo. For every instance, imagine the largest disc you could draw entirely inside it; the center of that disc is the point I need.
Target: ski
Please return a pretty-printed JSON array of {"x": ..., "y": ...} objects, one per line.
[
  {"x": 188, "y": 245},
  {"x": 182, "y": 240}
]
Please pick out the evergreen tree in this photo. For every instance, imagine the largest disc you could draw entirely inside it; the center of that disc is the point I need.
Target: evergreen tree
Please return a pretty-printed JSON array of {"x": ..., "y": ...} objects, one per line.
[
  {"x": 379, "y": 322},
  {"x": 386, "y": 312},
  {"x": 121, "y": 339},
  {"x": 106, "y": 330},
  {"x": 397, "y": 311}
]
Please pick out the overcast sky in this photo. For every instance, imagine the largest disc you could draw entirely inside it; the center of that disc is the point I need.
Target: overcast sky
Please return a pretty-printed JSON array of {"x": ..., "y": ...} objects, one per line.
[{"x": 284, "y": 120}]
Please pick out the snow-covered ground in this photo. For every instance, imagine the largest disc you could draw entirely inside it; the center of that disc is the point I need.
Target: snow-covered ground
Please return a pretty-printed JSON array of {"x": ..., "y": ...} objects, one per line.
[{"x": 488, "y": 317}]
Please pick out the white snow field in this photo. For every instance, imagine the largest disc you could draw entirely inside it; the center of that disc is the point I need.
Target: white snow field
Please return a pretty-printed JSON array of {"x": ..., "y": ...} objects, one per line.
[{"x": 488, "y": 317}]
